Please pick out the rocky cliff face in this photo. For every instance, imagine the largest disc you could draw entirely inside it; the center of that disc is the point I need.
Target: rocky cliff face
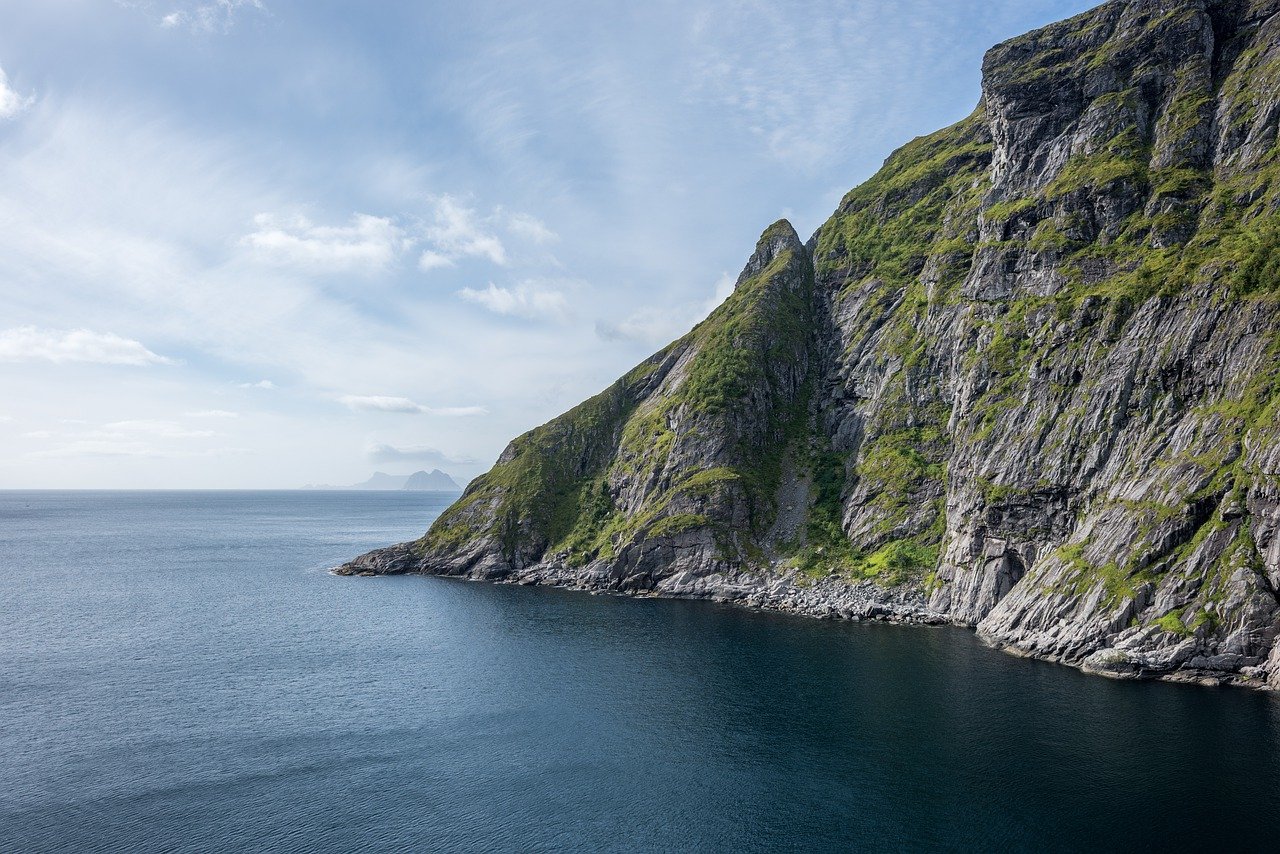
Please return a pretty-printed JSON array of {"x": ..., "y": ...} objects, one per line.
[{"x": 1026, "y": 378}]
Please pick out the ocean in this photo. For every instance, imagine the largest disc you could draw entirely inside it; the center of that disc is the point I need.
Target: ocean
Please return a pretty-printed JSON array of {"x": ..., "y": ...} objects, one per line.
[{"x": 180, "y": 672}]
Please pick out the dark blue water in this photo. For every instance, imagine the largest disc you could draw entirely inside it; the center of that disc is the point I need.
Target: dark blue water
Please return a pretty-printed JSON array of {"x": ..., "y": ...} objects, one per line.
[{"x": 178, "y": 672}]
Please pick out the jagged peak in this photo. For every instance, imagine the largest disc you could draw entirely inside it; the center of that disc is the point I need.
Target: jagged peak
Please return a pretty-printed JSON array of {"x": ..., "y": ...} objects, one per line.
[
  {"x": 777, "y": 239},
  {"x": 781, "y": 228}
]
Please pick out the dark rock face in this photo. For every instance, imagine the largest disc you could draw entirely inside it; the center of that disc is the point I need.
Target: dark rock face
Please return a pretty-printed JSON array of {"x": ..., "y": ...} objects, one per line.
[{"x": 1026, "y": 379}]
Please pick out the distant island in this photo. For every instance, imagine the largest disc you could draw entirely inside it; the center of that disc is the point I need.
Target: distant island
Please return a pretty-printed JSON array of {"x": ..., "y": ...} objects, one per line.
[{"x": 422, "y": 481}]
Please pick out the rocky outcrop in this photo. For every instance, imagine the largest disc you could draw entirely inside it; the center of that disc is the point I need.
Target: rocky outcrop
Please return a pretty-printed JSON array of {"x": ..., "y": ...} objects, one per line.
[{"x": 1025, "y": 379}]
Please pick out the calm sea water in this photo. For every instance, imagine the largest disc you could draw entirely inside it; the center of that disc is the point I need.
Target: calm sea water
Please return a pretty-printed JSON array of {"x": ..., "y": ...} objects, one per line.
[{"x": 178, "y": 672}]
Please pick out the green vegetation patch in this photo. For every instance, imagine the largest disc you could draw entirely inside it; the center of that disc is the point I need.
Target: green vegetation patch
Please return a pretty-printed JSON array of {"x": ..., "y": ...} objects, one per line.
[
  {"x": 537, "y": 493},
  {"x": 888, "y": 227}
]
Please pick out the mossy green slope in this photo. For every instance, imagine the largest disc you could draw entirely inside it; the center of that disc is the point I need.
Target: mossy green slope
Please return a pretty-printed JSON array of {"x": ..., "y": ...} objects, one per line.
[{"x": 688, "y": 442}]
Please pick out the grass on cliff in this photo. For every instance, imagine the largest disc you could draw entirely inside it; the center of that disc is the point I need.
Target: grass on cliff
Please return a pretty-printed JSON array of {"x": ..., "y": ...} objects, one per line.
[
  {"x": 919, "y": 212},
  {"x": 744, "y": 384},
  {"x": 535, "y": 494},
  {"x": 888, "y": 227},
  {"x": 552, "y": 491},
  {"x": 825, "y": 548}
]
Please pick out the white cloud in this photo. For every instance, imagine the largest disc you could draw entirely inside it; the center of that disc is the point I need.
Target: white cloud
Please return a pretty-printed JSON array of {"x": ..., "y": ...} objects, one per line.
[
  {"x": 11, "y": 103},
  {"x": 530, "y": 228},
  {"x": 430, "y": 260},
  {"x": 158, "y": 429},
  {"x": 662, "y": 325},
  {"x": 457, "y": 231},
  {"x": 368, "y": 242},
  {"x": 133, "y": 438},
  {"x": 97, "y": 448},
  {"x": 265, "y": 385},
  {"x": 379, "y": 403},
  {"x": 127, "y": 449},
  {"x": 654, "y": 326},
  {"x": 6, "y": 419},
  {"x": 456, "y": 411},
  {"x": 217, "y": 16},
  {"x": 724, "y": 289},
  {"x": 211, "y": 413},
  {"x": 526, "y": 299},
  {"x": 454, "y": 232},
  {"x": 29, "y": 344},
  {"x": 376, "y": 403},
  {"x": 382, "y": 453}
]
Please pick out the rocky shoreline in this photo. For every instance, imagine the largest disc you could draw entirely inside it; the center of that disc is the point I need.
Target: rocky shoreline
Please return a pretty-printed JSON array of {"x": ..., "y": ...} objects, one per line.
[{"x": 827, "y": 598}]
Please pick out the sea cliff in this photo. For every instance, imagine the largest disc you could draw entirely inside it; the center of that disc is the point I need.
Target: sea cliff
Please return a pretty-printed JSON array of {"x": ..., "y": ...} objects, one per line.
[{"x": 1025, "y": 379}]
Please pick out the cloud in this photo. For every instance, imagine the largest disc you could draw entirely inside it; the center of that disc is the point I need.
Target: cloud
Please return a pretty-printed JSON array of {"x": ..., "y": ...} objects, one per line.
[
  {"x": 158, "y": 429},
  {"x": 128, "y": 449},
  {"x": 368, "y": 242},
  {"x": 378, "y": 403},
  {"x": 663, "y": 325},
  {"x": 97, "y": 448},
  {"x": 265, "y": 385},
  {"x": 382, "y": 453},
  {"x": 6, "y": 419},
  {"x": 382, "y": 404},
  {"x": 648, "y": 326},
  {"x": 526, "y": 299},
  {"x": 211, "y": 413},
  {"x": 794, "y": 96},
  {"x": 430, "y": 260},
  {"x": 29, "y": 344},
  {"x": 11, "y": 103},
  {"x": 456, "y": 411},
  {"x": 215, "y": 17},
  {"x": 454, "y": 232},
  {"x": 133, "y": 438},
  {"x": 530, "y": 228},
  {"x": 457, "y": 231}
]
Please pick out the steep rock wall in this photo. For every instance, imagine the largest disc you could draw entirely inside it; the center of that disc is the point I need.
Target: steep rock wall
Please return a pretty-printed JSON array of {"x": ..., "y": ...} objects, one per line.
[{"x": 1024, "y": 379}]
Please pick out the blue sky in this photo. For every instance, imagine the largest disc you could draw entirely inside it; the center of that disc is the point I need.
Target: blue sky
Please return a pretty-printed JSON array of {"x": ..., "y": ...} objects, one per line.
[{"x": 262, "y": 243}]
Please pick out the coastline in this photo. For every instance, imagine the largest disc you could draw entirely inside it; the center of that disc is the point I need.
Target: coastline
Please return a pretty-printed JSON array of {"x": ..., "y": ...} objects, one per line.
[{"x": 828, "y": 598}]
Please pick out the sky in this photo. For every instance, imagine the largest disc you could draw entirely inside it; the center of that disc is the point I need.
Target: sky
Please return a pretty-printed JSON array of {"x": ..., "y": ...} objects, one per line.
[{"x": 269, "y": 243}]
